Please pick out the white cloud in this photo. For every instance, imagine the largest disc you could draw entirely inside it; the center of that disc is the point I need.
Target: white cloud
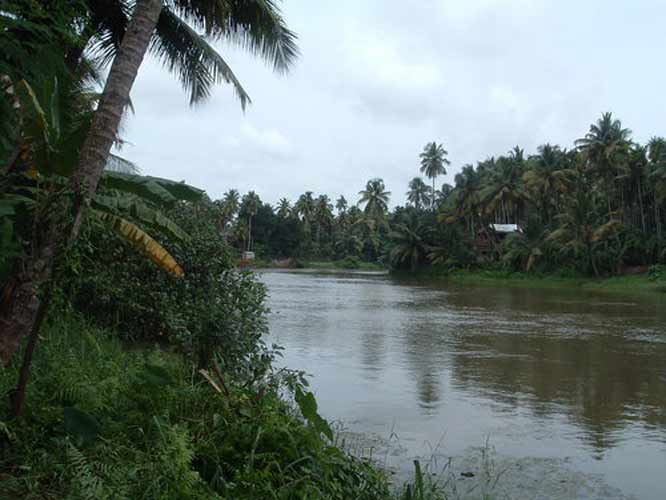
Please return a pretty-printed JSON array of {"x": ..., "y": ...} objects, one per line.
[
  {"x": 379, "y": 78},
  {"x": 270, "y": 141}
]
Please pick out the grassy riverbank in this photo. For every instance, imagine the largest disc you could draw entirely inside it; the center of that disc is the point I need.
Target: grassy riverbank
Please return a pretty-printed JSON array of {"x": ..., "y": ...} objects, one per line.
[
  {"x": 633, "y": 283},
  {"x": 104, "y": 422},
  {"x": 344, "y": 264}
]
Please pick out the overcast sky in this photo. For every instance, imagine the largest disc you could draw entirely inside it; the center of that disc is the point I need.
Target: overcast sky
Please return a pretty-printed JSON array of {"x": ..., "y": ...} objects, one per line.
[{"x": 377, "y": 79}]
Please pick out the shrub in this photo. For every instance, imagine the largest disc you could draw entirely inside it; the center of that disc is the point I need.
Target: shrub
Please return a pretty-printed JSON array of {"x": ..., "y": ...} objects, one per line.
[
  {"x": 657, "y": 272},
  {"x": 107, "y": 423}
]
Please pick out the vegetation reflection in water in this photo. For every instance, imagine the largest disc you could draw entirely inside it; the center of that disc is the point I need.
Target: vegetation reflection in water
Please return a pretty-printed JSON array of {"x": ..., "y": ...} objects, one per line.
[{"x": 551, "y": 372}]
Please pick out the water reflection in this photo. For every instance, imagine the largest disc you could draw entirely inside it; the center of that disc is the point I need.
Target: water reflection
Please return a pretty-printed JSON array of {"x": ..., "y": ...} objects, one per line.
[{"x": 587, "y": 371}]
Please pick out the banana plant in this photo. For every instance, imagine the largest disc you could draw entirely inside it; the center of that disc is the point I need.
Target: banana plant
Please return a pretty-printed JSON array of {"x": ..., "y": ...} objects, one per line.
[{"x": 129, "y": 204}]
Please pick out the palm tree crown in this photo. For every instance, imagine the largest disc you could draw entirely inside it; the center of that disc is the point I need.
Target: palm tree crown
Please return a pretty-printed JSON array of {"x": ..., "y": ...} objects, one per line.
[
  {"x": 181, "y": 39},
  {"x": 419, "y": 193},
  {"x": 284, "y": 208},
  {"x": 433, "y": 161},
  {"x": 376, "y": 198}
]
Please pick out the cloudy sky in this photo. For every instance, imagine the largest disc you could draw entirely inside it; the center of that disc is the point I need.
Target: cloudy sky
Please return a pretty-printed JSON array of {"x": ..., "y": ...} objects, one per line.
[{"x": 377, "y": 79}]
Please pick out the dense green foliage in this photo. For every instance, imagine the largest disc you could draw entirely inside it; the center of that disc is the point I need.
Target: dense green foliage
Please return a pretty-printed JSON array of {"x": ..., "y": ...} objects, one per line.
[
  {"x": 105, "y": 422},
  {"x": 154, "y": 384},
  {"x": 596, "y": 209}
]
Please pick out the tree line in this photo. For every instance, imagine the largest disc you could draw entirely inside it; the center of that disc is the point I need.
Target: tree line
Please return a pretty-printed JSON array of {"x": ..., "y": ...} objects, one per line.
[{"x": 595, "y": 208}]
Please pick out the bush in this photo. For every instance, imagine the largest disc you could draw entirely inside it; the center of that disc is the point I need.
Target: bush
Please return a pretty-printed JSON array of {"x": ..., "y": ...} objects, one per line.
[
  {"x": 350, "y": 262},
  {"x": 106, "y": 423},
  {"x": 657, "y": 272},
  {"x": 213, "y": 308}
]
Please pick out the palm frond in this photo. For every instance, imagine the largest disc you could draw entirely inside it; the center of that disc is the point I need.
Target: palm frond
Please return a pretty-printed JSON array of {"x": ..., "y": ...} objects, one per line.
[
  {"x": 256, "y": 26},
  {"x": 188, "y": 55}
]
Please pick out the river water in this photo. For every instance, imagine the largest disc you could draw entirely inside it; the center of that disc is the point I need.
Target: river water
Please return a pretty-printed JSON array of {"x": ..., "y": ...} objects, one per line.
[{"x": 435, "y": 368}]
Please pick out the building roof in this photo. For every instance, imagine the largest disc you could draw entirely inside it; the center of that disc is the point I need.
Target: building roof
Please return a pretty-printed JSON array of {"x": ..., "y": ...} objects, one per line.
[{"x": 505, "y": 228}]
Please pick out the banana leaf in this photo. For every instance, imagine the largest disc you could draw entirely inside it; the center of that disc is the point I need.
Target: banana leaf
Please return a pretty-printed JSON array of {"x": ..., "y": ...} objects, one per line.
[
  {"x": 143, "y": 242},
  {"x": 155, "y": 189},
  {"x": 140, "y": 211}
]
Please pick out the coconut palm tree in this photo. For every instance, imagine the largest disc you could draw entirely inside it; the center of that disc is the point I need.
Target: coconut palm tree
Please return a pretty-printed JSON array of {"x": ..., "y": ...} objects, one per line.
[
  {"x": 433, "y": 163},
  {"x": 341, "y": 205},
  {"x": 284, "y": 208},
  {"x": 605, "y": 147},
  {"x": 580, "y": 230},
  {"x": 465, "y": 199},
  {"x": 257, "y": 26},
  {"x": 419, "y": 194},
  {"x": 409, "y": 244},
  {"x": 631, "y": 179},
  {"x": 250, "y": 204},
  {"x": 323, "y": 213},
  {"x": 657, "y": 177},
  {"x": 376, "y": 199},
  {"x": 548, "y": 177},
  {"x": 304, "y": 209},
  {"x": 228, "y": 206},
  {"x": 503, "y": 194},
  {"x": 524, "y": 249},
  {"x": 442, "y": 194}
]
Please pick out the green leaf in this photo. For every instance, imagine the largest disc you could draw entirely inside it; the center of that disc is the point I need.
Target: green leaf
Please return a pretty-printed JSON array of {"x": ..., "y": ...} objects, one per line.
[
  {"x": 139, "y": 210},
  {"x": 81, "y": 425},
  {"x": 157, "y": 375},
  {"x": 155, "y": 189},
  {"x": 308, "y": 405},
  {"x": 143, "y": 242}
]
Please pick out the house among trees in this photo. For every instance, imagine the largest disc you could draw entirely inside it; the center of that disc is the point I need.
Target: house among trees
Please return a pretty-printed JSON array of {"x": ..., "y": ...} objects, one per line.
[{"x": 489, "y": 238}]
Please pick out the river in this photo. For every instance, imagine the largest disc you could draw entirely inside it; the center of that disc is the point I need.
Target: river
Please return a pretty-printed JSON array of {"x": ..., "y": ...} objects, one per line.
[{"x": 437, "y": 369}]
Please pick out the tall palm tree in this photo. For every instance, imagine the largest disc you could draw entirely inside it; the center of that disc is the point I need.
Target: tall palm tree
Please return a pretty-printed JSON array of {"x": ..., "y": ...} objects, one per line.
[
  {"x": 419, "y": 193},
  {"x": 323, "y": 213},
  {"x": 503, "y": 193},
  {"x": 433, "y": 161},
  {"x": 341, "y": 205},
  {"x": 443, "y": 193},
  {"x": 257, "y": 26},
  {"x": 304, "y": 209},
  {"x": 657, "y": 176},
  {"x": 605, "y": 147},
  {"x": 580, "y": 231},
  {"x": 231, "y": 203},
  {"x": 376, "y": 199},
  {"x": 466, "y": 198},
  {"x": 548, "y": 176},
  {"x": 251, "y": 202},
  {"x": 284, "y": 208},
  {"x": 409, "y": 244}
]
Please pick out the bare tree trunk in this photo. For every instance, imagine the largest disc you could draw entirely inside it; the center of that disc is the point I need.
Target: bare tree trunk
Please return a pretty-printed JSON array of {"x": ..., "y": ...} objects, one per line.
[{"x": 21, "y": 317}]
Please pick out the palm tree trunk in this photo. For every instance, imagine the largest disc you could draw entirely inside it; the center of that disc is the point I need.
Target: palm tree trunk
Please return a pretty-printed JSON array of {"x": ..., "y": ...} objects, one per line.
[
  {"x": 657, "y": 221},
  {"x": 640, "y": 205},
  {"x": 249, "y": 232},
  {"x": 432, "y": 201},
  {"x": 113, "y": 102},
  {"x": 22, "y": 314}
]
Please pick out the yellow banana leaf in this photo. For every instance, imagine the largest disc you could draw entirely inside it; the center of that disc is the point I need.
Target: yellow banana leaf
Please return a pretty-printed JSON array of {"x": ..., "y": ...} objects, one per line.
[{"x": 142, "y": 241}]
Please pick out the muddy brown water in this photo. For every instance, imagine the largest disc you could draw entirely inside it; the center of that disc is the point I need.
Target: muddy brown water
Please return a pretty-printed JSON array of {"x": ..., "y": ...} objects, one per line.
[{"x": 557, "y": 374}]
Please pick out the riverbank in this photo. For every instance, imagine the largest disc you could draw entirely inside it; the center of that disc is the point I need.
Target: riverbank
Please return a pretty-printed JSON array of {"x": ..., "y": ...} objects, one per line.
[
  {"x": 632, "y": 283},
  {"x": 321, "y": 265},
  {"x": 103, "y": 421}
]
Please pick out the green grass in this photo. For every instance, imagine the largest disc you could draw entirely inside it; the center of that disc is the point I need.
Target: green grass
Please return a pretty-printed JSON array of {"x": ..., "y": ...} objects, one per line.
[
  {"x": 633, "y": 283},
  {"x": 344, "y": 264}
]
